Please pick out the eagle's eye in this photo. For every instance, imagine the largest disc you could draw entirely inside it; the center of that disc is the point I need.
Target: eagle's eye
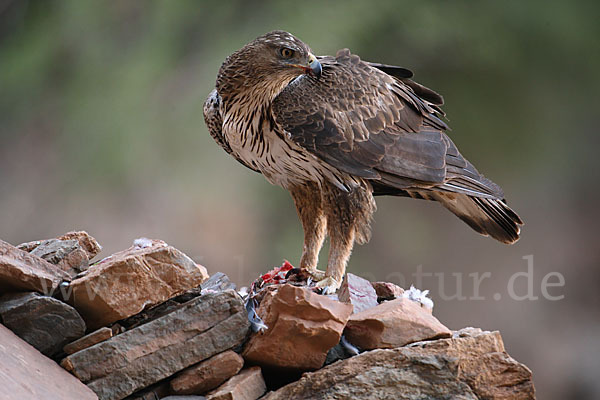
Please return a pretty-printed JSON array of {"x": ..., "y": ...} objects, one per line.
[{"x": 286, "y": 52}]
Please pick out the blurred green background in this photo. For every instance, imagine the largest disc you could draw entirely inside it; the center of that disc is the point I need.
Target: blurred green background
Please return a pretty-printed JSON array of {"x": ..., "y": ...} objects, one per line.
[{"x": 101, "y": 129}]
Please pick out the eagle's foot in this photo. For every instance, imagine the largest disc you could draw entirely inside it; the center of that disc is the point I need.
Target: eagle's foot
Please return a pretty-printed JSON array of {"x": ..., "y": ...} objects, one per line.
[
  {"x": 316, "y": 274},
  {"x": 329, "y": 284}
]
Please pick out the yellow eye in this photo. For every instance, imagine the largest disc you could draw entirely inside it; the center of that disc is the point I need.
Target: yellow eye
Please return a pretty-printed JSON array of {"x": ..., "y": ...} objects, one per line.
[{"x": 286, "y": 53}]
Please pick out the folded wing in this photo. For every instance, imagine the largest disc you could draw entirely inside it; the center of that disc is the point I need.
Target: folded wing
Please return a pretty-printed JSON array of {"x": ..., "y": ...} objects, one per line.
[{"x": 372, "y": 121}]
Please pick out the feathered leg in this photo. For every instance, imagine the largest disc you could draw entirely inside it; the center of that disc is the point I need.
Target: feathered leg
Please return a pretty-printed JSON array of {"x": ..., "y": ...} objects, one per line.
[
  {"x": 348, "y": 220},
  {"x": 309, "y": 205}
]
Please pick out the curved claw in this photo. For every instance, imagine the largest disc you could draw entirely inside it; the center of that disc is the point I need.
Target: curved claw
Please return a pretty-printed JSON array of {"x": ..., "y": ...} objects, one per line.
[{"x": 329, "y": 285}]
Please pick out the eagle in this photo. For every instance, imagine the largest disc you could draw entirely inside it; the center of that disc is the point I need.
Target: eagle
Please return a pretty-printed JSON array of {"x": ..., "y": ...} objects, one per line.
[{"x": 337, "y": 131}]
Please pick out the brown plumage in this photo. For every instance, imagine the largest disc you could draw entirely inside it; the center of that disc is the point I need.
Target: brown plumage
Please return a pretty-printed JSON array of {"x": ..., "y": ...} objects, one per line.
[{"x": 336, "y": 131}]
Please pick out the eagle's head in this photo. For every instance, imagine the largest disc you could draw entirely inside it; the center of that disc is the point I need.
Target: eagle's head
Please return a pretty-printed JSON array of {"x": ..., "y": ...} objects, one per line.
[{"x": 267, "y": 64}]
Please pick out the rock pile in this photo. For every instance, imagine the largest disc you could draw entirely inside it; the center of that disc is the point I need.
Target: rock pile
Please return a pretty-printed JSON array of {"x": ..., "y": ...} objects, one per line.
[{"x": 149, "y": 323}]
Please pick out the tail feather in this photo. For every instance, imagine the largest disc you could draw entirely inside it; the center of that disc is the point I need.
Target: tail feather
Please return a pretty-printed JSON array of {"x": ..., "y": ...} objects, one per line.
[{"x": 489, "y": 217}]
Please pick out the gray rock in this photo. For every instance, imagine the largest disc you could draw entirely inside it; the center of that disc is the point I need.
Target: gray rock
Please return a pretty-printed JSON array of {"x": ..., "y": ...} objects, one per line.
[
  {"x": 139, "y": 357},
  {"x": 218, "y": 282},
  {"x": 44, "y": 322},
  {"x": 28, "y": 246},
  {"x": 154, "y": 392},
  {"x": 68, "y": 255},
  {"x": 55, "y": 250},
  {"x": 85, "y": 241},
  {"x": 341, "y": 351},
  {"x": 70, "y": 252},
  {"x": 150, "y": 314},
  {"x": 184, "y": 398}
]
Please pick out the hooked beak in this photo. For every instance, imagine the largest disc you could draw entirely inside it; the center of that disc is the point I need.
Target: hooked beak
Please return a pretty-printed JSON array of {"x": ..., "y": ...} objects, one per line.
[
  {"x": 314, "y": 65},
  {"x": 312, "y": 68}
]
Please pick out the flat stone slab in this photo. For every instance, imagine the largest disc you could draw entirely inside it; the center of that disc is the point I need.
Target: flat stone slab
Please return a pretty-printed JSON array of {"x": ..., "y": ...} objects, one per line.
[
  {"x": 208, "y": 374},
  {"x": 26, "y": 374},
  {"x": 89, "y": 340},
  {"x": 144, "y": 355},
  {"x": 44, "y": 322}
]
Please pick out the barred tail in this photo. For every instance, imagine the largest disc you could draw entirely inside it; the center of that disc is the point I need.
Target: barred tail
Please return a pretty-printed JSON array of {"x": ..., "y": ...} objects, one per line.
[{"x": 489, "y": 217}]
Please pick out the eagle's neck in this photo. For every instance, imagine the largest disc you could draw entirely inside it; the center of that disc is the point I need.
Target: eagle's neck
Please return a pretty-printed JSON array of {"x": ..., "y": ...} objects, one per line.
[
  {"x": 251, "y": 96},
  {"x": 247, "y": 111},
  {"x": 248, "y": 124}
]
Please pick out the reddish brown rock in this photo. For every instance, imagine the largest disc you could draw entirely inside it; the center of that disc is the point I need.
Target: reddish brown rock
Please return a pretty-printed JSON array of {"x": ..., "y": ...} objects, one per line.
[
  {"x": 151, "y": 352},
  {"x": 89, "y": 340},
  {"x": 357, "y": 291},
  {"x": 87, "y": 243},
  {"x": 392, "y": 324},
  {"x": 247, "y": 385},
  {"x": 131, "y": 280},
  {"x": 208, "y": 374},
  {"x": 484, "y": 364},
  {"x": 42, "y": 321},
  {"x": 302, "y": 327},
  {"x": 75, "y": 262},
  {"x": 20, "y": 270},
  {"x": 387, "y": 290},
  {"x": 26, "y": 374},
  {"x": 465, "y": 367}
]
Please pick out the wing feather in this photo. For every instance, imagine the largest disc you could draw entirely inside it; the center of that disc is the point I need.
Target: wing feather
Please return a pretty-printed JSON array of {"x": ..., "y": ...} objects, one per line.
[{"x": 368, "y": 120}]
